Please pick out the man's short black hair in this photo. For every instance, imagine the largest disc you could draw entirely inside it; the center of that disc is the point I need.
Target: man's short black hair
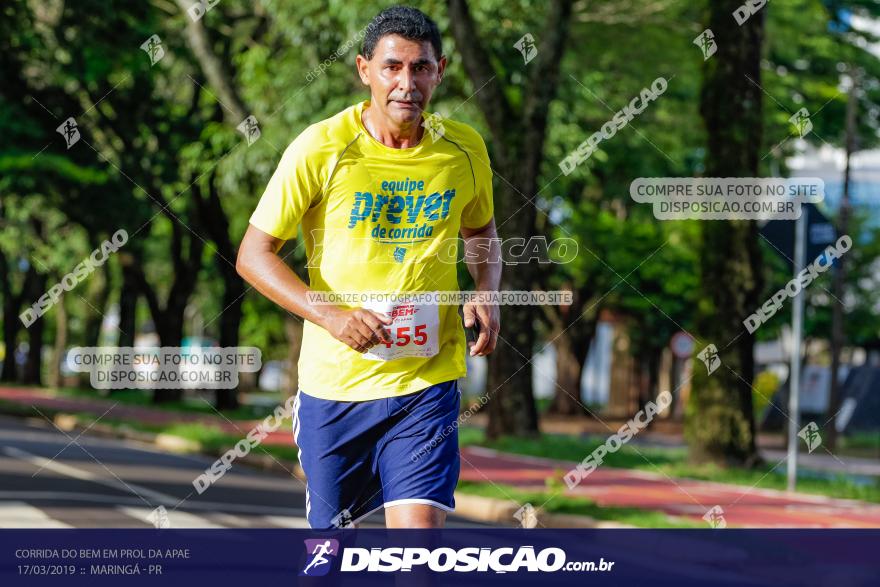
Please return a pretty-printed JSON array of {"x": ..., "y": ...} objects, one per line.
[{"x": 410, "y": 23}]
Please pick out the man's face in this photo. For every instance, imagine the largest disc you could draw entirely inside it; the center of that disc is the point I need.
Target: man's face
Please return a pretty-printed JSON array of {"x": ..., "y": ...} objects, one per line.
[{"x": 402, "y": 76}]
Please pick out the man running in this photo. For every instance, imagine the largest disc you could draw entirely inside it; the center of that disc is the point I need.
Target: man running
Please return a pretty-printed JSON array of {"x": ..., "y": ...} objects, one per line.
[
  {"x": 380, "y": 199},
  {"x": 319, "y": 553}
]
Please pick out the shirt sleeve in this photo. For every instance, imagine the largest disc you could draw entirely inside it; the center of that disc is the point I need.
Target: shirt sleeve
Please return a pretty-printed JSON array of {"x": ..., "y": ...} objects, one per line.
[
  {"x": 478, "y": 212},
  {"x": 291, "y": 190}
]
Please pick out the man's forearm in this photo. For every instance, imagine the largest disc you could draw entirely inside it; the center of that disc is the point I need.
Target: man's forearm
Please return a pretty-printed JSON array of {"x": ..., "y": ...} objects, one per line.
[
  {"x": 269, "y": 275},
  {"x": 487, "y": 275},
  {"x": 483, "y": 259}
]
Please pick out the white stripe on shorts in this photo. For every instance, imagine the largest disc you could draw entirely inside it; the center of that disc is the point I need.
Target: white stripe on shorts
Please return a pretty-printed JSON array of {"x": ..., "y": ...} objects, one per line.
[{"x": 296, "y": 406}]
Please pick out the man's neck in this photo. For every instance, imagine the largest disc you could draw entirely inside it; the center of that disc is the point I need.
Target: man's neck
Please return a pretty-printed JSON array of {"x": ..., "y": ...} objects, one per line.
[{"x": 396, "y": 137}]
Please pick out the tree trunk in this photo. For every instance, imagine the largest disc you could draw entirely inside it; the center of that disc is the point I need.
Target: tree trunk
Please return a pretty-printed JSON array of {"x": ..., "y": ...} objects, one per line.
[
  {"x": 518, "y": 134},
  {"x": 128, "y": 298},
  {"x": 169, "y": 320},
  {"x": 569, "y": 367},
  {"x": 215, "y": 69},
  {"x": 55, "y": 377},
  {"x": 649, "y": 376},
  {"x": 230, "y": 320},
  {"x": 839, "y": 274},
  {"x": 572, "y": 344},
  {"x": 215, "y": 221},
  {"x": 32, "y": 374},
  {"x": 511, "y": 403},
  {"x": 221, "y": 79},
  {"x": 10, "y": 335},
  {"x": 169, "y": 326},
  {"x": 720, "y": 423},
  {"x": 98, "y": 295},
  {"x": 11, "y": 322}
]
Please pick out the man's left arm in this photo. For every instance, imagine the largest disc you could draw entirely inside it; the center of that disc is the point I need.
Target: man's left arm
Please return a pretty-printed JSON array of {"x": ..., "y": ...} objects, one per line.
[{"x": 482, "y": 255}]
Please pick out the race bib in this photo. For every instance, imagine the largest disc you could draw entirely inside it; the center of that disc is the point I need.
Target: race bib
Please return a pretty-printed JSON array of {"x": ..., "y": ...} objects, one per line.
[{"x": 414, "y": 330}]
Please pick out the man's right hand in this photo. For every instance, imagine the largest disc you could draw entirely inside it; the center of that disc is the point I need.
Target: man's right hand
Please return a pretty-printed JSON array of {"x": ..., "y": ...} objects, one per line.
[
  {"x": 359, "y": 328},
  {"x": 259, "y": 264}
]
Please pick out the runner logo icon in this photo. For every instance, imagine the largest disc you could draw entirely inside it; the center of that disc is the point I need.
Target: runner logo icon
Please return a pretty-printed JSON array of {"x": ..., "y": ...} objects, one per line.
[{"x": 320, "y": 555}]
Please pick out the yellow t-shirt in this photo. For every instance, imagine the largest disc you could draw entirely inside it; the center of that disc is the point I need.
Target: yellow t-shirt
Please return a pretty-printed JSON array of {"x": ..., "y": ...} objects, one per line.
[{"x": 380, "y": 219}]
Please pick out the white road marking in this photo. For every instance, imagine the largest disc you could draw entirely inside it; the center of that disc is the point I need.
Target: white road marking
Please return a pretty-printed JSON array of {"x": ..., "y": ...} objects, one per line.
[
  {"x": 209, "y": 506},
  {"x": 231, "y": 521},
  {"x": 179, "y": 518},
  {"x": 18, "y": 514},
  {"x": 144, "y": 493},
  {"x": 176, "y": 519},
  {"x": 45, "y": 463},
  {"x": 287, "y": 521}
]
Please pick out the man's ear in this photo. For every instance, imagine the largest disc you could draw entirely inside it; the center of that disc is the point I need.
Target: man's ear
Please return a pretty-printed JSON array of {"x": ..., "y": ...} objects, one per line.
[
  {"x": 363, "y": 68},
  {"x": 441, "y": 68}
]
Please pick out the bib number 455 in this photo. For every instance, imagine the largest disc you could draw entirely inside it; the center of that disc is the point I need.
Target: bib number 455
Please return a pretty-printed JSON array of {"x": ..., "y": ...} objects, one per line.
[
  {"x": 414, "y": 332},
  {"x": 402, "y": 337}
]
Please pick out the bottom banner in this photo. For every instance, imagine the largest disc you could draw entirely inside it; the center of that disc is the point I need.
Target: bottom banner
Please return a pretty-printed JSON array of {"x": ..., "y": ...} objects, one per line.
[{"x": 218, "y": 558}]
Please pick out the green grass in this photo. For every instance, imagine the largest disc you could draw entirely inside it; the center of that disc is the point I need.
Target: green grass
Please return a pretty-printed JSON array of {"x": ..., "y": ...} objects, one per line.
[
  {"x": 674, "y": 463},
  {"x": 11, "y": 408},
  {"x": 212, "y": 439},
  {"x": 862, "y": 440},
  {"x": 192, "y": 405},
  {"x": 564, "y": 504},
  {"x": 215, "y": 441},
  {"x": 571, "y": 448}
]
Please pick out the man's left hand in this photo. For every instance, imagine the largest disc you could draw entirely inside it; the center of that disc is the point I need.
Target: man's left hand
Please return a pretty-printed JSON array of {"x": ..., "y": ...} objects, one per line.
[{"x": 488, "y": 316}]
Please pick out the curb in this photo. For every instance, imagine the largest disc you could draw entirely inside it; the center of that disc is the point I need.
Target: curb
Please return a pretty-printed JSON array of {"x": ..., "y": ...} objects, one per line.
[
  {"x": 501, "y": 511},
  {"x": 472, "y": 507}
]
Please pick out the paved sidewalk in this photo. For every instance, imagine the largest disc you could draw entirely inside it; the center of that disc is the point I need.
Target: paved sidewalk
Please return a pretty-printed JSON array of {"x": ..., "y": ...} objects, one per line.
[{"x": 741, "y": 505}]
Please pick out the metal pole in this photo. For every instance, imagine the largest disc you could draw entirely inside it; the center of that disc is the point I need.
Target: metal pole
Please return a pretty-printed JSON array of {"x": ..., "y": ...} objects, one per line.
[{"x": 794, "y": 376}]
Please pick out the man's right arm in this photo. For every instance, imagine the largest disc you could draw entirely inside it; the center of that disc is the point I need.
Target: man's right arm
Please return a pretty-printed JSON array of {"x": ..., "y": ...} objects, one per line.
[{"x": 259, "y": 264}]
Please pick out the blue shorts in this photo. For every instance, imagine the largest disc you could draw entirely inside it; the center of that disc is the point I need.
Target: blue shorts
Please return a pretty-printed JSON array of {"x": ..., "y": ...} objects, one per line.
[{"x": 361, "y": 456}]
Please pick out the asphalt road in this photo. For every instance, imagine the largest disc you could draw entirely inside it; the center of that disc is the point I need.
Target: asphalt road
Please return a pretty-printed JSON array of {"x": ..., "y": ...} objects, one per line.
[{"x": 53, "y": 479}]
